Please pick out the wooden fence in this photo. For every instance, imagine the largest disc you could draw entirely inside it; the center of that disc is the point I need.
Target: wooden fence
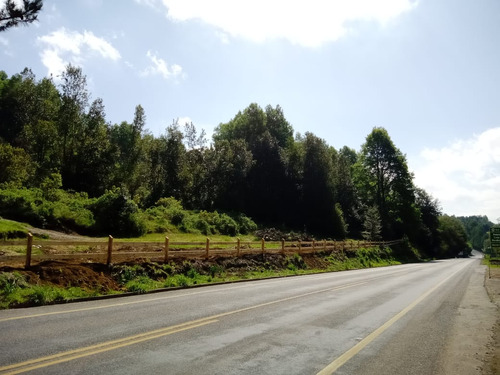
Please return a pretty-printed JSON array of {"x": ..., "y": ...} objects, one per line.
[{"x": 116, "y": 250}]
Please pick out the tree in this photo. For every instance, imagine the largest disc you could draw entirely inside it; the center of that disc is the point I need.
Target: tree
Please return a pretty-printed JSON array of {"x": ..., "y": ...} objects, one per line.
[
  {"x": 383, "y": 176},
  {"x": 13, "y": 13},
  {"x": 477, "y": 228},
  {"x": 132, "y": 165},
  {"x": 14, "y": 166},
  {"x": 318, "y": 194},
  {"x": 346, "y": 194},
  {"x": 430, "y": 211},
  {"x": 75, "y": 101},
  {"x": 453, "y": 238},
  {"x": 266, "y": 134},
  {"x": 372, "y": 226}
]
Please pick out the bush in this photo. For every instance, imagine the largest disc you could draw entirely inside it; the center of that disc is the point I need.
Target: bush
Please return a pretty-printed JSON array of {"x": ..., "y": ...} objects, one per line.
[
  {"x": 245, "y": 224},
  {"x": 226, "y": 225},
  {"x": 116, "y": 215},
  {"x": 69, "y": 211}
]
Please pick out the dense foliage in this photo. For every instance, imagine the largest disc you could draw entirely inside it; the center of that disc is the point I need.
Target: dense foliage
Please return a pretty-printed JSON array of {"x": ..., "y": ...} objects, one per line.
[
  {"x": 56, "y": 146},
  {"x": 477, "y": 228}
]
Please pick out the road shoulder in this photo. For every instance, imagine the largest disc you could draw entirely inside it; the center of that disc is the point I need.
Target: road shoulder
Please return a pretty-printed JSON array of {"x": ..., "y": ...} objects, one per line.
[{"x": 472, "y": 348}]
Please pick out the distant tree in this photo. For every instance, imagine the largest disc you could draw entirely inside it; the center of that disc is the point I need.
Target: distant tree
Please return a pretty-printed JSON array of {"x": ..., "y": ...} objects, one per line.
[
  {"x": 12, "y": 13},
  {"x": 477, "y": 228},
  {"x": 430, "y": 211},
  {"x": 453, "y": 238}
]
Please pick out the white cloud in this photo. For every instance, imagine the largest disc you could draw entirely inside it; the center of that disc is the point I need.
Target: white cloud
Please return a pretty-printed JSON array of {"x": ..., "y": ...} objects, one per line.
[
  {"x": 160, "y": 67},
  {"x": 64, "y": 46},
  {"x": 307, "y": 23},
  {"x": 464, "y": 176}
]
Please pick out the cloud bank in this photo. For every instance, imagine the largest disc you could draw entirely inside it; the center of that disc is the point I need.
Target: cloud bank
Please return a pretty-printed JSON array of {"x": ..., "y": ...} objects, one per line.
[
  {"x": 465, "y": 176},
  {"x": 306, "y": 23}
]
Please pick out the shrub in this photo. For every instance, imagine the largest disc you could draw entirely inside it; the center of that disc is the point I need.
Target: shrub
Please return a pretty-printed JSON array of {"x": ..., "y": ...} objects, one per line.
[
  {"x": 226, "y": 225},
  {"x": 141, "y": 284},
  {"x": 114, "y": 214},
  {"x": 245, "y": 224}
]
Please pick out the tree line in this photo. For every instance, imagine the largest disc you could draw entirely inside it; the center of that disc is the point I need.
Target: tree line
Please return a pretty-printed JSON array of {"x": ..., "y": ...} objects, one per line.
[{"x": 53, "y": 135}]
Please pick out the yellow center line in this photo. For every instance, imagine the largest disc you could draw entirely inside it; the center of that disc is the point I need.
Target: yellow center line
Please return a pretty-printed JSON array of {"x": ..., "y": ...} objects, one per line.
[
  {"x": 100, "y": 348},
  {"x": 349, "y": 354},
  {"x": 131, "y": 340}
]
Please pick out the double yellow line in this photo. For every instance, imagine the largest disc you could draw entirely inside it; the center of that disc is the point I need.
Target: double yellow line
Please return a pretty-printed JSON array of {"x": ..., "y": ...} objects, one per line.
[
  {"x": 70, "y": 355},
  {"x": 101, "y": 348}
]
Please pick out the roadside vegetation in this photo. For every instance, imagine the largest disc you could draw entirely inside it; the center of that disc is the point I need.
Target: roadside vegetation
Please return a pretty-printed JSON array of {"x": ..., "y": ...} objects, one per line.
[{"x": 29, "y": 288}]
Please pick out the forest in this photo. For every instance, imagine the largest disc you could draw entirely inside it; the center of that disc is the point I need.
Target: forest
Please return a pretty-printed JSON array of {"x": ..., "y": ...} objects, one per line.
[{"x": 64, "y": 166}]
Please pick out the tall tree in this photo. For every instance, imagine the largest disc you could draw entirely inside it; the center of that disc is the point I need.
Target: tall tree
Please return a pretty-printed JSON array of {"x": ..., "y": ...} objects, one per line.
[
  {"x": 13, "y": 13},
  {"x": 75, "y": 99},
  {"x": 131, "y": 172},
  {"x": 430, "y": 211},
  {"x": 346, "y": 194},
  {"x": 386, "y": 182},
  {"x": 318, "y": 199}
]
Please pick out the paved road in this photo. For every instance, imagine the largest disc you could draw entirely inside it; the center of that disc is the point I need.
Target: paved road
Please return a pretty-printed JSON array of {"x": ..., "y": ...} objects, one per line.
[{"x": 393, "y": 320}]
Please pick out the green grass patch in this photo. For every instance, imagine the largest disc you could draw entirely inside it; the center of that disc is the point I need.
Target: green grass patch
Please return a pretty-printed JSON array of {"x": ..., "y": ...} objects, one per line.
[
  {"x": 12, "y": 229},
  {"x": 16, "y": 291}
]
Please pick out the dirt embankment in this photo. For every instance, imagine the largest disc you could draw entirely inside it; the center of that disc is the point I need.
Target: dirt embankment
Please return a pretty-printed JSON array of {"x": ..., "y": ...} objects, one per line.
[{"x": 99, "y": 277}]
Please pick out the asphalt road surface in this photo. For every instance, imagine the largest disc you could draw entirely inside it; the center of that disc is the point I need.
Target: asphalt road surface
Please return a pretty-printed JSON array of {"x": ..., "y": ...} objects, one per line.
[{"x": 391, "y": 320}]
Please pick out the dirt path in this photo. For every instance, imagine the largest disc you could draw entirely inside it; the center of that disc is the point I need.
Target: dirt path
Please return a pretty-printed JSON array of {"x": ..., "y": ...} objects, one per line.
[{"x": 54, "y": 235}]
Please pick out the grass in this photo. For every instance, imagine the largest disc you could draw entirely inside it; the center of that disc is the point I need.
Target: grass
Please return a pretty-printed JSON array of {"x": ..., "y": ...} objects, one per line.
[
  {"x": 12, "y": 229},
  {"x": 16, "y": 291},
  {"x": 491, "y": 261}
]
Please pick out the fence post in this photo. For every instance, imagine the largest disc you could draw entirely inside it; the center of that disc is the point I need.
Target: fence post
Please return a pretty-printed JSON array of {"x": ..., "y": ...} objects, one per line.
[
  {"x": 283, "y": 246},
  {"x": 263, "y": 246},
  {"x": 314, "y": 246},
  {"x": 238, "y": 247},
  {"x": 110, "y": 249},
  {"x": 324, "y": 245},
  {"x": 207, "y": 248},
  {"x": 300, "y": 245},
  {"x": 167, "y": 243},
  {"x": 28, "y": 250}
]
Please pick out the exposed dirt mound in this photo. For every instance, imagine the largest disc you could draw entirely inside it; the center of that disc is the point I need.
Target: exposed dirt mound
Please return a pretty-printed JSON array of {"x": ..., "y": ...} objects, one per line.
[
  {"x": 89, "y": 276},
  {"x": 99, "y": 277}
]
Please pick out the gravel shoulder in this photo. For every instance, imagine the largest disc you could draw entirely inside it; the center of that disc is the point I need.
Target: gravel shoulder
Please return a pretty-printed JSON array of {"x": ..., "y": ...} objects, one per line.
[
  {"x": 492, "y": 283},
  {"x": 474, "y": 347}
]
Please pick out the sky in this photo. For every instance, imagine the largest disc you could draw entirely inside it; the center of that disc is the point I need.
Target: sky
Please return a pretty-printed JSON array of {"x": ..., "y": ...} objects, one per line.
[{"x": 428, "y": 71}]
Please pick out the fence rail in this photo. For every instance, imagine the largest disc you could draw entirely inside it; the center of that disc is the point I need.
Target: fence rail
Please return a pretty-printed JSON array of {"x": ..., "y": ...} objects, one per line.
[{"x": 114, "y": 250}]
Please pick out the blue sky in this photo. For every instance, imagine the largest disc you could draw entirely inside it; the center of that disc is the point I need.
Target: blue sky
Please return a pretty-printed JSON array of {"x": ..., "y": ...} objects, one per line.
[{"x": 426, "y": 70}]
